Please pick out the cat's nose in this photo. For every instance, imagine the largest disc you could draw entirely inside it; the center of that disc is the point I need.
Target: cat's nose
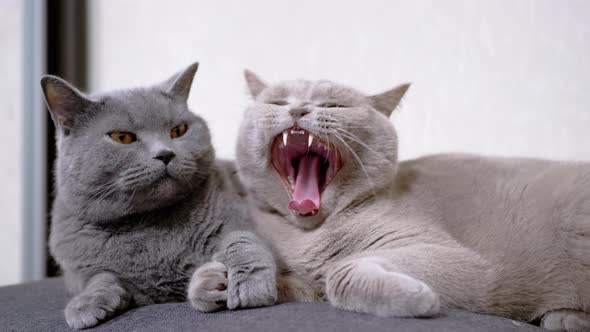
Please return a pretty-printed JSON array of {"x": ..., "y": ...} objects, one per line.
[
  {"x": 298, "y": 112},
  {"x": 165, "y": 156}
]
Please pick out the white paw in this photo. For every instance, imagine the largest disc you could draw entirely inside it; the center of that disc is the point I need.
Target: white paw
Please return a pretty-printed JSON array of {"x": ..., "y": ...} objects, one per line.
[
  {"x": 566, "y": 320},
  {"x": 87, "y": 310},
  {"x": 207, "y": 290},
  {"x": 364, "y": 285}
]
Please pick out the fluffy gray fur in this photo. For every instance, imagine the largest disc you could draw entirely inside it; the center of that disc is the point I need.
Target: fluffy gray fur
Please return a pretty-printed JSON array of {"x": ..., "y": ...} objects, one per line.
[
  {"x": 130, "y": 228},
  {"x": 502, "y": 236}
]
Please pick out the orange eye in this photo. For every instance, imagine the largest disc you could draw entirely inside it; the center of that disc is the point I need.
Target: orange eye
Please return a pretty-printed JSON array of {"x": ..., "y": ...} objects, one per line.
[
  {"x": 123, "y": 137},
  {"x": 178, "y": 131}
]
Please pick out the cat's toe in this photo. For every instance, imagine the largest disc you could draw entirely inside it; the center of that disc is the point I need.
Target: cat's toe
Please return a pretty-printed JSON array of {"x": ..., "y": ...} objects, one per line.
[
  {"x": 84, "y": 318},
  {"x": 86, "y": 311},
  {"x": 208, "y": 287},
  {"x": 426, "y": 302},
  {"x": 566, "y": 320},
  {"x": 254, "y": 290}
]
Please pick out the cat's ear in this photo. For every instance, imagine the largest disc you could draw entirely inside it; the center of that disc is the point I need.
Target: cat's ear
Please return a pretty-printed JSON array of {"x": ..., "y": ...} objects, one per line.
[
  {"x": 255, "y": 84},
  {"x": 179, "y": 85},
  {"x": 66, "y": 104},
  {"x": 388, "y": 101}
]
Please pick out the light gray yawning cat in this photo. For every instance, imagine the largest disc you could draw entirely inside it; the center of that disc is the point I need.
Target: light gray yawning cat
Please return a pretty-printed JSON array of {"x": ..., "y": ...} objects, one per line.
[
  {"x": 141, "y": 203},
  {"x": 503, "y": 236}
]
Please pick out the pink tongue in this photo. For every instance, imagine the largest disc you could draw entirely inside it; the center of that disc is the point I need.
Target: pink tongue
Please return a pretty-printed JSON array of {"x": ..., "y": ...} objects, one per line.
[{"x": 306, "y": 196}]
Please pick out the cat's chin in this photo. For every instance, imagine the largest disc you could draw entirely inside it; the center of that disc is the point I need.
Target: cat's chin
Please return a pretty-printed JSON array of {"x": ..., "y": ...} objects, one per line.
[
  {"x": 306, "y": 222},
  {"x": 307, "y": 165},
  {"x": 165, "y": 189}
]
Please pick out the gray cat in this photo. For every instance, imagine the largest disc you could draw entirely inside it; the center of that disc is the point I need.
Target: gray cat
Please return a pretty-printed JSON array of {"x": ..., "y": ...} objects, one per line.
[
  {"x": 142, "y": 207},
  {"x": 503, "y": 236}
]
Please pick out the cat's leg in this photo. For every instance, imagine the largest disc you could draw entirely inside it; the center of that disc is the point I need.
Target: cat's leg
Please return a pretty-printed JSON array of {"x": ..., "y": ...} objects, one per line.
[
  {"x": 251, "y": 275},
  {"x": 566, "y": 320},
  {"x": 102, "y": 297},
  {"x": 295, "y": 287},
  {"x": 251, "y": 271},
  {"x": 407, "y": 281}
]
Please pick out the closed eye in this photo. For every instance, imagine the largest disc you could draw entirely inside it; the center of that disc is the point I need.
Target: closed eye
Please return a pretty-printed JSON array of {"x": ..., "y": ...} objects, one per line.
[
  {"x": 331, "y": 105},
  {"x": 277, "y": 102}
]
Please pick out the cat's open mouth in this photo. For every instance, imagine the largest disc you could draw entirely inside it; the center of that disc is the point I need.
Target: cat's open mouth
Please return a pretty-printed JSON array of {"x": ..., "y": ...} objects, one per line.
[{"x": 307, "y": 164}]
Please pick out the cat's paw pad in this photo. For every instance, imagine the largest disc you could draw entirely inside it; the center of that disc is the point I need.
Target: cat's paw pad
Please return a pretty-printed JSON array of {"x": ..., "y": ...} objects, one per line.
[
  {"x": 566, "y": 320},
  {"x": 207, "y": 290},
  {"x": 250, "y": 289},
  {"x": 87, "y": 310},
  {"x": 366, "y": 285}
]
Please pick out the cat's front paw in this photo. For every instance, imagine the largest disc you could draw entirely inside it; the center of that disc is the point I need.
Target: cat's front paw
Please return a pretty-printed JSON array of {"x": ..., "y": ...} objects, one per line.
[
  {"x": 566, "y": 320},
  {"x": 365, "y": 285},
  {"x": 251, "y": 287},
  {"x": 87, "y": 310},
  {"x": 208, "y": 287}
]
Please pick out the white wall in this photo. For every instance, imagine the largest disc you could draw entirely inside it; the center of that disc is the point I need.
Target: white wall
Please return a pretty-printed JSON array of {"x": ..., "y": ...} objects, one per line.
[
  {"x": 495, "y": 77},
  {"x": 10, "y": 140}
]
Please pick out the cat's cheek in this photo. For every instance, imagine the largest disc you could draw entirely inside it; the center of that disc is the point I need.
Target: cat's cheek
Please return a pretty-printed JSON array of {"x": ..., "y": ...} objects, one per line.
[
  {"x": 183, "y": 175},
  {"x": 180, "y": 175}
]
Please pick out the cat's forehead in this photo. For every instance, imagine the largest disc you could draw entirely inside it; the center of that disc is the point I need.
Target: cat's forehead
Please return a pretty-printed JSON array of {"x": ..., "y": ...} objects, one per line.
[
  {"x": 312, "y": 90},
  {"x": 141, "y": 107}
]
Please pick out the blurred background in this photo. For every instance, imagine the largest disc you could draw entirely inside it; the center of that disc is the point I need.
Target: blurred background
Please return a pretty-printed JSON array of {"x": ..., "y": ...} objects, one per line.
[{"x": 494, "y": 77}]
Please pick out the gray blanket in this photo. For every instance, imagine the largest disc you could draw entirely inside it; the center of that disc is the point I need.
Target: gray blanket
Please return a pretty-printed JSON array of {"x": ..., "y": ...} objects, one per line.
[{"x": 39, "y": 307}]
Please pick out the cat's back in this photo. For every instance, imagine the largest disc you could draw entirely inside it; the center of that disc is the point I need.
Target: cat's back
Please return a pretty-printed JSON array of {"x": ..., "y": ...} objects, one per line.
[
  {"x": 456, "y": 175},
  {"x": 474, "y": 166},
  {"x": 489, "y": 202}
]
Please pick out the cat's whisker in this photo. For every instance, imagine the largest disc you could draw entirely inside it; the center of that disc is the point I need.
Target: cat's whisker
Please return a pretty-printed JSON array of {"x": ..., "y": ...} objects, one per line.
[
  {"x": 192, "y": 164},
  {"x": 135, "y": 179},
  {"x": 195, "y": 169},
  {"x": 359, "y": 161},
  {"x": 324, "y": 137},
  {"x": 133, "y": 170},
  {"x": 93, "y": 202},
  {"x": 130, "y": 200},
  {"x": 133, "y": 174},
  {"x": 357, "y": 140},
  {"x": 101, "y": 189}
]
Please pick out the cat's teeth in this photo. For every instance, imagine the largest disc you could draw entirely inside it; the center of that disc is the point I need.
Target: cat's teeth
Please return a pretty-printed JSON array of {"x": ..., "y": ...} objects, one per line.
[
  {"x": 285, "y": 134},
  {"x": 309, "y": 140}
]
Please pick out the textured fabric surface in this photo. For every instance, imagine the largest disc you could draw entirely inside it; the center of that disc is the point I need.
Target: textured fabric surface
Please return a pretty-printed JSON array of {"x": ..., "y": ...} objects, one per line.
[{"x": 39, "y": 307}]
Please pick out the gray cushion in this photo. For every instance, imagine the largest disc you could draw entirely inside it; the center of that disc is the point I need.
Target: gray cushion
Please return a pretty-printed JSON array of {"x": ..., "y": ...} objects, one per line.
[{"x": 39, "y": 307}]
